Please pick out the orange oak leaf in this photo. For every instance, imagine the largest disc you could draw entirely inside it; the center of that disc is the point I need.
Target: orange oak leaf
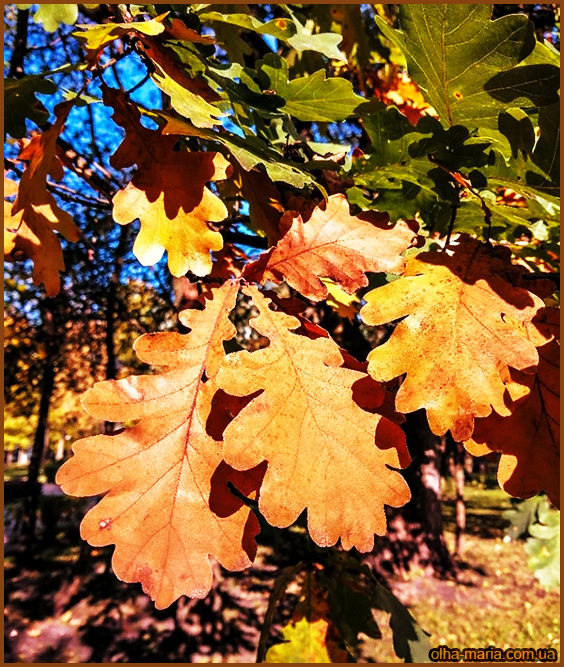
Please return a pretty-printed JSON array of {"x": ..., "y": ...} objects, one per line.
[
  {"x": 333, "y": 244},
  {"x": 319, "y": 444},
  {"x": 168, "y": 194},
  {"x": 464, "y": 325},
  {"x": 35, "y": 216},
  {"x": 162, "y": 475},
  {"x": 529, "y": 439}
]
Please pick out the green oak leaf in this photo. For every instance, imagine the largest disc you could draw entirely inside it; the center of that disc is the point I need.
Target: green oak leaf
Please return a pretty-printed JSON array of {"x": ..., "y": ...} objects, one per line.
[
  {"x": 279, "y": 28},
  {"x": 188, "y": 104},
  {"x": 351, "y": 612},
  {"x": 312, "y": 98},
  {"x": 543, "y": 546},
  {"x": 20, "y": 103},
  {"x": 95, "y": 37},
  {"x": 51, "y": 16},
  {"x": 399, "y": 168},
  {"x": 467, "y": 65},
  {"x": 248, "y": 151}
]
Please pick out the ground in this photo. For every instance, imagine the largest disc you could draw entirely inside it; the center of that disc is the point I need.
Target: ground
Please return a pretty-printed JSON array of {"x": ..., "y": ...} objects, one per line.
[{"x": 57, "y": 613}]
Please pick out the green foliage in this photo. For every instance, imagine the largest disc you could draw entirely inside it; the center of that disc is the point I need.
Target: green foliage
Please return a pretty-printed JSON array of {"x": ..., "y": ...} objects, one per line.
[
  {"x": 52, "y": 16},
  {"x": 310, "y": 98},
  {"x": 543, "y": 546},
  {"x": 20, "y": 103},
  {"x": 470, "y": 67},
  {"x": 542, "y": 522}
]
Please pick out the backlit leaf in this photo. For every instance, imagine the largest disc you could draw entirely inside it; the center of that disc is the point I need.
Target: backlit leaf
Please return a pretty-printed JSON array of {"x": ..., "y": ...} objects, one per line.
[
  {"x": 311, "y": 636},
  {"x": 333, "y": 244},
  {"x": 529, "y": 438},
  {"x": 41, "y": 216},
  {"x": 313, "y": 97},
  {"x": 464, "y": 325},
  {"x": 543, "y": 546},
  {"x": 466, "y": 64},
  {"x": 52, "y": 16},
  {"x": 167, "y": 194},
  {"x": 167, "y": 507},
  {"x": 307, "y": 397},
  {"x": 96, "y": 37}
]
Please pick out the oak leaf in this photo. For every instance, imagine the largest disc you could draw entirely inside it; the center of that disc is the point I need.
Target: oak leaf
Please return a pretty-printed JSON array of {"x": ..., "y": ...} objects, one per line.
[
  {"x": 528, "y": 439},
  {"x": 168, "y": 194},
  {"x": 319, "y": 444},
  {"x": 162, "y": 475},
  {"x": 332, "y": 244},
  {"x": 96, "y": 37},
  {"x": 464, "y": 325},
  {"x": 35, "y": 215}
]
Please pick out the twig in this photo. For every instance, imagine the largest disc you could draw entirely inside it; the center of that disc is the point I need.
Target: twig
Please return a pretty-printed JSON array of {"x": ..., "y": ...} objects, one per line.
[
  {"x": 259, "y": 242},
  {"x": 68, "y": 194},
  {"x": 280, "y": 586}
]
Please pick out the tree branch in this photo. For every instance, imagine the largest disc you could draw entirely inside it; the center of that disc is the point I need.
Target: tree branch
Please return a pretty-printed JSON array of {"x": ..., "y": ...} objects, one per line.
[{"x": 20, "y": 45}]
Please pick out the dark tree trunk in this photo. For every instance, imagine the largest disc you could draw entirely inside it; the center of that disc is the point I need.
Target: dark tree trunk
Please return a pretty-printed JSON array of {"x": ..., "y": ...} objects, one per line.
[
  {"x": 33, "y": 488},
  {"x": 415, "y": 531},
  {"x": 111, "y": 304},
  {"x": 20, "y": 45},
  {"x": 456, "y": 466}
]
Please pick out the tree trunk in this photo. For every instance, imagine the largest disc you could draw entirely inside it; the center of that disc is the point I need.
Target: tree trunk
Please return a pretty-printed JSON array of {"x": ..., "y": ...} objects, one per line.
[
  {"x": 456, "y": 466},
  {"x": 20, "y": 45},
  {"x": 33, "y": 488},
  {"x": 415, "y": 531},
  {"x": 111, "y": 302}
]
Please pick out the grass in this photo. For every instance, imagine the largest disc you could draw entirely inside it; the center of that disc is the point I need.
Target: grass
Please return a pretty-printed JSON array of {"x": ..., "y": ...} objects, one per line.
[
  {"x": 15, "y": 472},
  {"x": 497, "y": 601}
]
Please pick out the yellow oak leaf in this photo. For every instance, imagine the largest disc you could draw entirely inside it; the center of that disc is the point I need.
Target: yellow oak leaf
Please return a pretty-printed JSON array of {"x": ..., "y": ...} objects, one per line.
[
  {"x": 463, "y": 326},
  {"x": 167, "y": 506},
  {"x": 529, "y": 438},
  {"x": 35, "y": 216},
  {"x": 168, "y": 194},
  {"x": 319, "y": 444}
]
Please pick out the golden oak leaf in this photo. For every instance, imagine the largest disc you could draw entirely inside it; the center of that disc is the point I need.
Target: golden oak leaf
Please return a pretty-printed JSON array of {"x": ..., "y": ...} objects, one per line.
[
  {"x": 35, "y": 216},
  {"x": 96, "y": 37},
  {"x": 310, "y": 636},
  {"x": 345, "y": 305},
  {"x": 529, "y": 439},
  {"x": 332, "y": 244},
  {"x": 318, "y": 443},
  {"x": 463, "y": 326},
  {"x": 169, "y": 63},
  {"x": 163, "y": 475},
  {"x": 168, "y": 194}
]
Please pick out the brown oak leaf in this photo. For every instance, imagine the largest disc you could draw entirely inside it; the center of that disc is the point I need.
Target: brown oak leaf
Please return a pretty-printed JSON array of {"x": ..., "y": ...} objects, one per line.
[
  {"x": 30, "y": 224},
  {"x": 464, "y": 325},
  {"x": 159, "y": 475},
  {"x": 333, "y": 244},
  {"x": 168, "y": 194},
  {"x": 529, "y": 439},
  {"x": 319, "y": 444}
]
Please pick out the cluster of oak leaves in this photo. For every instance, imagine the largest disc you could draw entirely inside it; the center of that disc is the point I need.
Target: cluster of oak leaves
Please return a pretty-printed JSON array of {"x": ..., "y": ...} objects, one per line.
[{"x": 299, "y": 424}]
